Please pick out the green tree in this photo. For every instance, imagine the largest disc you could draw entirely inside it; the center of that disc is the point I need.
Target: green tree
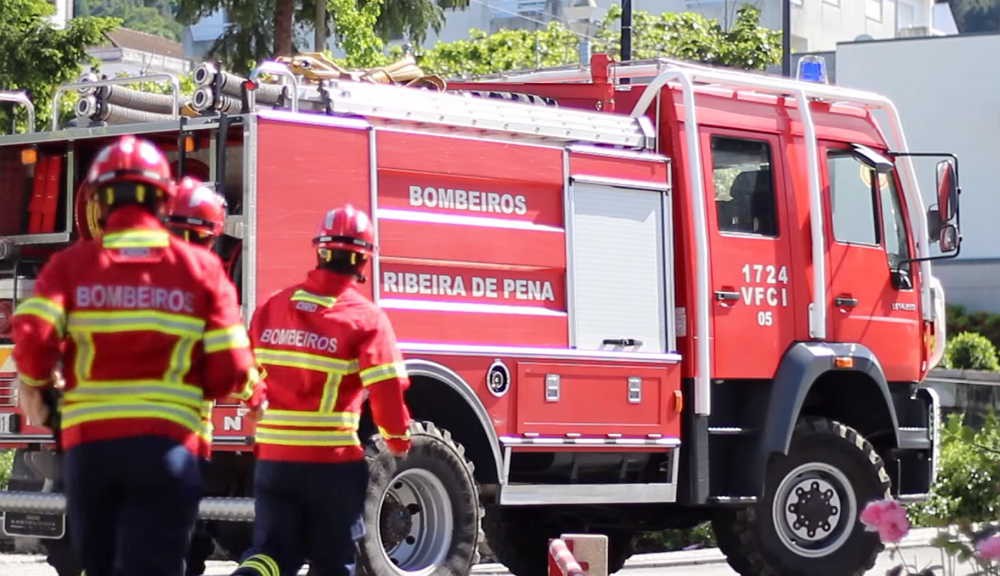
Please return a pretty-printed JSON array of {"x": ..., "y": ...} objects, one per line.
[
  {"x": 264, "y": 28},
  {"x": 976, "y": 15},
  {"x": 355, "y": 25},
  {"x": 36, "y": 57},
  {"x": 685, "y": 35},
  {"x": 150, "y": 16}
]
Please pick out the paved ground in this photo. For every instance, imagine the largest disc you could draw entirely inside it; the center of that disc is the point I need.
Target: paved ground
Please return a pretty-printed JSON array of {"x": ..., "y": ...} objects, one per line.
[{"x": 708, "y": 562}]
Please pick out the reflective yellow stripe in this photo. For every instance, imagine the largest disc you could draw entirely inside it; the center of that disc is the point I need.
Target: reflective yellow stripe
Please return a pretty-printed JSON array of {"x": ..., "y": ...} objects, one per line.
[
  {"x": 207, "y": 427},
  {"x": 331, "y": 389},
  {"x": 263, "y": 564},
  {"x": 305, "y": 360},
  {"x": 79, "y": 413},
  {"x": 33, "y": 382},
  {"x": 84, "y": 354},
  {"x": 385, "y": 434},
  {"x": 136, "y": 238},
  {"x": 226, "y": 339},
  {"x": 281, "y": 437},
  {"x": 305, "y": 419},
  {"x": 180, "y": 360},
  {"x": 135, "y": 390},
  {"x": 253, "y": 378},
  {"x": 382, "y": 372},
  {"x": 136, "y": 321},
  {"x": 301, "y": 295},
  {"x": 48, "y": 310}
]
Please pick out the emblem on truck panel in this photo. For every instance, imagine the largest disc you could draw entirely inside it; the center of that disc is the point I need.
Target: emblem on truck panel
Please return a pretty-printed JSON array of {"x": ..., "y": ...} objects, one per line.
[{"x": 498, "y": 378}]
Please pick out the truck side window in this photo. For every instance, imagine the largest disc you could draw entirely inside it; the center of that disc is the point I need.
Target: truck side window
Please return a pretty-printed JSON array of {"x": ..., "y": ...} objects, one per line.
[
  {"x": 744, "y": 186},
  {"x": 897, "y": 245},
  {"x": 852, "y": 199}
]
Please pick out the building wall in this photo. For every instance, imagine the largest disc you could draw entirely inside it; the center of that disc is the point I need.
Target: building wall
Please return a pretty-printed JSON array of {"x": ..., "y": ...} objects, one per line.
[
  {"x": 817, "y": 25},
  {"x": 948, "y": 102}
]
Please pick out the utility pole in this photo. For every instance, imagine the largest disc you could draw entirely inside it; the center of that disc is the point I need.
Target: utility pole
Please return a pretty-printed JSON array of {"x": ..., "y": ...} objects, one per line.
[
  {"x": 786, "y": 38},
  {"x": 626, "y": 42}
]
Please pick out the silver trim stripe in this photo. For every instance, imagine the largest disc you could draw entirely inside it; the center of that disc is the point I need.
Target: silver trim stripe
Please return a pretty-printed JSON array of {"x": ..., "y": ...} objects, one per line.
[
  {"x": 549, "y": 441},
  {"x": 553, "y": 353}
]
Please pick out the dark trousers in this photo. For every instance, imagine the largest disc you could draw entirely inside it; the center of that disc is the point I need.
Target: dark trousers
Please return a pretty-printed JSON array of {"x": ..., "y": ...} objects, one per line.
[
  {"x": 132, "y": 504},
  {"x": 306, "y": 511}
]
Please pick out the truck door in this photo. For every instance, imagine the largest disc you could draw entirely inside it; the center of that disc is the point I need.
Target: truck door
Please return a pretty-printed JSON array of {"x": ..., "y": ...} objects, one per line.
[
  {"x": 871, "y": 297},
  {"x": 750, "y": 254}
]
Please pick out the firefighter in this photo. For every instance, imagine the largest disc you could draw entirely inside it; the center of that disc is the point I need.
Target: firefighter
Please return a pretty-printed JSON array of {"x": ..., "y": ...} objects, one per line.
[
  {"x": 324, "y": 347},
  {"x": 197, "y": 214},
  {"x": 145, "y": 327}
]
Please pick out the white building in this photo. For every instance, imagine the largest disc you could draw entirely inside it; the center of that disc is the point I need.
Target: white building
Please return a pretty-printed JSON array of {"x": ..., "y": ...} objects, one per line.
[
  {"x": 130, "y": 52},
  {"x": 949, "y": 101},
  {"x": 817, "y": 25},
  {"x": 64, "y": 12}
]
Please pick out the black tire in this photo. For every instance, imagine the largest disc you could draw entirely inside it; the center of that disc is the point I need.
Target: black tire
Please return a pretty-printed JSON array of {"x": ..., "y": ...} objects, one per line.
[
  {"x": 59, "y": 554},
  {"x": 520, "y": 538},
  {"x": 820, "y": 487},
  {"x": 422, "y": 510}
]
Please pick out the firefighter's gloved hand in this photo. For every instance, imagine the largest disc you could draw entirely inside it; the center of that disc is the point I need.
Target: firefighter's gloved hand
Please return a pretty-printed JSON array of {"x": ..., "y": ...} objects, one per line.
[
  {"x": 32, "y": 402},
  {"x": 398, "y": 447}
]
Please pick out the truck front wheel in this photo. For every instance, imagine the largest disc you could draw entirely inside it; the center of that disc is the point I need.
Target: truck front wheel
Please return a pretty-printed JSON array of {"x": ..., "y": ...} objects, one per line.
[
  {"x": 421, "y": 512},
  {"x": 807, "y": 523}
]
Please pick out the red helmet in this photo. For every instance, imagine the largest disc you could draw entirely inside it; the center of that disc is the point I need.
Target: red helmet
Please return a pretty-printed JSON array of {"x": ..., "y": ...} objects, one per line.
[
  {"x": 196, "y": 208},
  {"x": 130, "y": 159},
  {"x": 346, "y": 228}
]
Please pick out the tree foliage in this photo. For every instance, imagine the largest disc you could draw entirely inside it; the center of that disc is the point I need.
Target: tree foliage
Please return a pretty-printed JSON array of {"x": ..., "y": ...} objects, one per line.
[
  {"x": 355, "y": 27},
  {"x": 976, "y": 15},
  {"x": 36, "y": 57},
  {"x": 150, "y": 16},
  {"x": 252, "y": 29},
  {"x": 686, "y": 35}
]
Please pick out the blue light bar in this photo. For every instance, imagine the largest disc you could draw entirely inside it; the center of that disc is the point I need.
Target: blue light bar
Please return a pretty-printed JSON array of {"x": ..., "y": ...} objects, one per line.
[{"x": 812, "y": 68}]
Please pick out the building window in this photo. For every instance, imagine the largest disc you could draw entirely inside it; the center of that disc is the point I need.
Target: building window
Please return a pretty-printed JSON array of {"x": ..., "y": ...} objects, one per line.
[
  {"x": 832, "y": 2},
  {"x": 906, "y": 15},
  {"x": 873, "y": 9}
]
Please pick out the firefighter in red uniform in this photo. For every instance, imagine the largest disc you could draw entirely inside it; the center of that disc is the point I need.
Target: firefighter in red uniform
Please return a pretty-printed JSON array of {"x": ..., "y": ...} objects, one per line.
[
  {"x": 197, "y": 214},
  {"x": 324, "y": 347},
  {"x": 146, "y": 327}
]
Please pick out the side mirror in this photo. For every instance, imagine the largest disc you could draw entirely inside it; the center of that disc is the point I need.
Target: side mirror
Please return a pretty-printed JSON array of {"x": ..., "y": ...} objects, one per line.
[
  {"x": 901, "y": 279},
  {"x": 947, "y": 191},
  {"x": 933, "y": 224},
  {"x": 948, "y": 239}
]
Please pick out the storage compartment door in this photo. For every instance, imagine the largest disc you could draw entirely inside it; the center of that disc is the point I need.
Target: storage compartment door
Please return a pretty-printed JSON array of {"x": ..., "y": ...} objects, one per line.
[{"x": 618, "y": 262}]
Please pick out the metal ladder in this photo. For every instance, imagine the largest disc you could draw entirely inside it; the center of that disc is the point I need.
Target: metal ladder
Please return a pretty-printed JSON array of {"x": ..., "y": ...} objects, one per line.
[{"x": 401, "y": 104}]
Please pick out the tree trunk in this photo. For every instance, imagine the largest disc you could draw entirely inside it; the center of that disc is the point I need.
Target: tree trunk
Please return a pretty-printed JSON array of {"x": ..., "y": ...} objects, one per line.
[
  {"x": 283, "y": 12},
  {"x": 320, "y": 24}
]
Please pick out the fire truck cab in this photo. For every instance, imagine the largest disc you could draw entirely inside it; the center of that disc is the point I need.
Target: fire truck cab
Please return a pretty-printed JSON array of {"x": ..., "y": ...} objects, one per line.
[{"x": 630, "y": 296}]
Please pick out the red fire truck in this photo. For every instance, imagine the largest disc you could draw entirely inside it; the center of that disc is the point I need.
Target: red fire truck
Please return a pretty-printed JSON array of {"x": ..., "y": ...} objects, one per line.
[{"x": 630, "y": 296}]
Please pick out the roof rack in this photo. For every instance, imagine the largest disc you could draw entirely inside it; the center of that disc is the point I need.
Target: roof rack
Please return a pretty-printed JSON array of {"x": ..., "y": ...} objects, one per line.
[
  {"x": 20, "y": 97},
  {"x": 425, "y": 107}
]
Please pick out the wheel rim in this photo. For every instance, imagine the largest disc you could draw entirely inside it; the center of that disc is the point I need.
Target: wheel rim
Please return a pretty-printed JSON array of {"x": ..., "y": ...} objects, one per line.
[
  {"x": 415, "y": 523},
  {"x": 814, "y": 510}
]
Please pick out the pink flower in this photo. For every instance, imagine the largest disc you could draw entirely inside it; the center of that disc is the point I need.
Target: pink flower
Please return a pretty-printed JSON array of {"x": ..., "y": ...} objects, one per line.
[
  {"x": 888, "y": 518},
  {"x": 989, "y": 549}
]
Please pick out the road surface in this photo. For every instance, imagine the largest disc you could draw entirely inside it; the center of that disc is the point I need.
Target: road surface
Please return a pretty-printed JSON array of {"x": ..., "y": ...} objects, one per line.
[{"x": 709, "y": 562}]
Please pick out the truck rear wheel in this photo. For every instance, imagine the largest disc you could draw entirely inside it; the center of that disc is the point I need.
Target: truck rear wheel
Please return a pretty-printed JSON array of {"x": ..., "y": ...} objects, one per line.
[
  {"x": 422, "y": 511},
  {"x": 520, "y": 538},
  {"x": 807, "y": 523}
]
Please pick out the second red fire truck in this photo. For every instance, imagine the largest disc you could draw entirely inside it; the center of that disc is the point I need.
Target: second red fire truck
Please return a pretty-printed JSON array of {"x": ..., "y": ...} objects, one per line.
[{"x": 630, "y": 296}]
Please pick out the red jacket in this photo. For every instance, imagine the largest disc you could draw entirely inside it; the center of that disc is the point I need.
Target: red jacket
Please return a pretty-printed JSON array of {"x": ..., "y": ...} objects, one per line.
[
  {"x": 323, "y": 345},
  {"x": 147, "y": 328}
]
